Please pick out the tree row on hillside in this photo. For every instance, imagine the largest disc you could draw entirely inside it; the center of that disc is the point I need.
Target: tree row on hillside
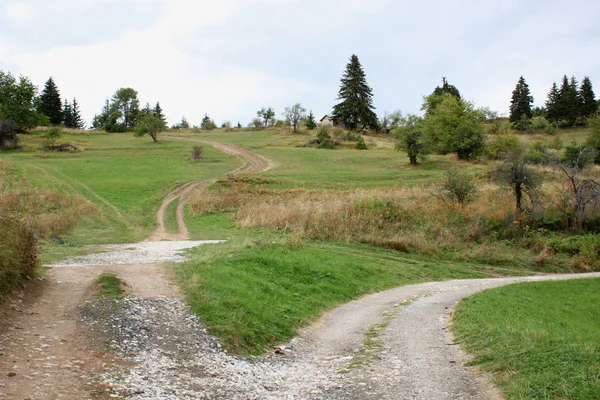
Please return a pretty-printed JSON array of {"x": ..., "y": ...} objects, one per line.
[
  {"x": 58, "y": 112},
  {"x": 570, "y": 104}
]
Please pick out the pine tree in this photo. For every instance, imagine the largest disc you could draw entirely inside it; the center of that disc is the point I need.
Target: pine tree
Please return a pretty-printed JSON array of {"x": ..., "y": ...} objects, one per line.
[
  {"x": 569, "y": 101},
  {"x": 159, "y": 113},
  {"x": 356, "y": 108},
  {"x": 446, "y": 89},
  {"x": 520, "y": 104},
  {"x": 587, "y": 99},
  {"x": 310, "y": 122},
  {"x": 50, "y": 103},
  {"x": 67, "y": 115},
  {"x": 553, "y": 112},
  {"x": 76, "y": 118}
]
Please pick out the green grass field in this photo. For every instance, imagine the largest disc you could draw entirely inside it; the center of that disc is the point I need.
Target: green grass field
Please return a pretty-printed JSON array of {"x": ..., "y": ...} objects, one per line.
[{"x": 539, "y": 340}]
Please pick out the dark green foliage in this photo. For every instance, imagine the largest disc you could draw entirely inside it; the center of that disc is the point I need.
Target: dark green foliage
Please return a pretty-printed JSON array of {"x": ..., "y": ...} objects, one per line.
[
  {"x": 411, "y": 138},
  {"x": 360, "y": 144},
  {"x": 593, "y": 140},
  {"x": 150, "y": 125},
  {"x": 323, "y": 140},
  {"x": 50, "y": 103},
  {"x": 458, "y": 187},
  {"x": 207, "y": 123},
  {"x": 453, "y": 126},
  {"x": 159, "y": 113},
  {"x": 8, "y": 134},
  {"x": 431, "y": 102},
  {"x": 587, "y": 99},
  {"x": 76, "y": 118},
  {"x": 120, "y": 114},
  {"x": 538, "y": 154},
  {"x": 67, "y": 115},
  {"x": 553, "y": 109},
  {"x": 539, "y": 111},
  {"x": 578, "y": 156},
  {"x": 521, "y": 104},
  {"x": 310, "y": 122},
  {"x": 266, "y": 115},
  {"x": 16, "y": 101},
  {"x": 356, "y": 106},
  {"x": 446, "y": 89}
]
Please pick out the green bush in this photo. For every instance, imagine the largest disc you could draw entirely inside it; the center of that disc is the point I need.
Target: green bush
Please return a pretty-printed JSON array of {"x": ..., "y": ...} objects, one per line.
[
  {"x": 550, "y": 129},
  {"x": 361, "y": 145},
  {"x": 458, "y": 186},
  {"x": 500, "y": 145}
]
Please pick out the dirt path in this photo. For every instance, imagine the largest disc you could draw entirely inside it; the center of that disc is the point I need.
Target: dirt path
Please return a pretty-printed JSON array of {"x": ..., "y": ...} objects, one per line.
[{"x": 253, "y": 163}]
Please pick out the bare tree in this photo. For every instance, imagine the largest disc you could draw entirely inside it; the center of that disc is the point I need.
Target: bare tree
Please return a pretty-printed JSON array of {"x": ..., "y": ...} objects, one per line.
[{"x": 294, "y": 114}]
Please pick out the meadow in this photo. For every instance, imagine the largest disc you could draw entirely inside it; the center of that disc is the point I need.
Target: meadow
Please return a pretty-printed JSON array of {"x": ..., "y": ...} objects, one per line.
[{"x": 321, "y": 228}]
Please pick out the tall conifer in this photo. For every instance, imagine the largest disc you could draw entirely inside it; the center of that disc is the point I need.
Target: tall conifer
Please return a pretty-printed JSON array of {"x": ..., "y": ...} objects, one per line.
[
  {"x": 521, "y": 102},
  {"x": 587, "y": 99},
  {"x": 50, "y": 103},
  {"x": 76, "y": 118},
  {"x": 356, "y": 106}
]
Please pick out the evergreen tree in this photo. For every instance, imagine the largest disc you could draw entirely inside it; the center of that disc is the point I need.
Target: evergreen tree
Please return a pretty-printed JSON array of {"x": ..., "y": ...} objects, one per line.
[
  {"x": 159, "y": 113},
  {"x": 50, "y": 103},
  {"x": 569, "y": 101},
  {"x": 520, "y": 104},
  {"x": 434, "y": 99},
  {"x": 76, "y": 118},
  {"x": 147, "y": 110},
  {"x": 587, "y": 99},
  {"x": 356, "y": 108},
  {"x": 553, "y": 112},
  {"x": 310, "y": 122},
  {"x": 446, "y": 88},
  {"x": 67, "y": 115}
]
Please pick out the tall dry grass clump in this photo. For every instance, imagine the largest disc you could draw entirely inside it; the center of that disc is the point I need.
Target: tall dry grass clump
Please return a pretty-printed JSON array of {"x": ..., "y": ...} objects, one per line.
[{"x": 28, "y": 214}]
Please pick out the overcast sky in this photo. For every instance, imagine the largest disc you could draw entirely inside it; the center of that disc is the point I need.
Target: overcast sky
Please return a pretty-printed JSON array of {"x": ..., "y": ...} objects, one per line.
[{"x": 229, "y": 58}]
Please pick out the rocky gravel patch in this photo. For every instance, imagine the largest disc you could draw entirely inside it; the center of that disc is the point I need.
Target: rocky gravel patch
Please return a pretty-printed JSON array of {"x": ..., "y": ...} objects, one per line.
[
  {"x": 173, "y": 357},
  {"x": 137, "y": 253}
]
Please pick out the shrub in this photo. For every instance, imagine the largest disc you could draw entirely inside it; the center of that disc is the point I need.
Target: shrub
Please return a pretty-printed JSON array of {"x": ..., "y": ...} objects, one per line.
[
  {"x": 458, "y": 186},
  {"x": 539, "y": 123},
  {"x": 52, "y": 134},
  {"x": 502, "y": 144},
  {"x": 550, "y": 130},
  {"x": 361, "y": 145},
  {"x": 538, "y": 154},
  {"x": 8, "y": 134},
  {"x": 323, "y": 140},
  {"x": 197, "y": 153}
]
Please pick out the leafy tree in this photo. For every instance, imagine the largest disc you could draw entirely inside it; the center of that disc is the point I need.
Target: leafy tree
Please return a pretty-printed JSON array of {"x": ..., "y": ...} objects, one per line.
[
  {"x": 356, "y": 106},
  {"x": 52, "y": 134},
  {"x": 67, "y": 114},
  {"x": 294, "y": 114},
  {"x": 593, "y": 140},
  {"x": 16, "y": 101},
  {"x": 587, "y": 99},
  {"x": 411, "y": 138},
  {"x": 434, "y": 99},
  {"x": 150, "y": 125},
  {"x": 360, "y": 143},
  {"x": 458, "y": 187},
  {"x": 266, "y": 115},
  {"x": 159, "y": 113},
  {"x": 521, "y": 104},
  {"x": 50, "y": 103},
  {"x": 8, "y": 134},
  {"x": 516, "y": 175},
  {"x": 207, "y": 123},
  {"x": 125, "y": 100},
  {"x": 310, "y": 122},
  {"x": 453, "y": 126},
  {"x": 100, "y": 120}
]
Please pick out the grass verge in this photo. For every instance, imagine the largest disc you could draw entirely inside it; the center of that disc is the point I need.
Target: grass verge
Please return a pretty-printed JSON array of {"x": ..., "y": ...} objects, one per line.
[
  {"x": 256, "y": 294},
  {"x": 109, "y": 286},
  {"x": 539, "y": 340}
]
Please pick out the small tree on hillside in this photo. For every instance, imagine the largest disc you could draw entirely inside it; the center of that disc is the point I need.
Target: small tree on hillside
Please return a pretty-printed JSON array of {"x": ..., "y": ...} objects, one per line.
[
  {"x": 67, "y": 115},
  {"x": 207, "y": 123},
  {"x": 587, "y": 99},
  {"x": 431, "y": 102},
  {"x": 294, "y": 114},
  {"x": 516, "y": 174},
  {"x": 356, "y": 107},
  {"x": 16, "y": 101},
  {"x": 266, "y": 115},
  {"x": 411, "y": 138},
  {"x": 310, "y": 122},
  {"x": 521, "y": 105},
  {"x": 50, "y": 103},
  {"x": 76, "y": 118},
  {"x": 150, "y": 125},
  {"x": 553, "y": 111},
  {"x": 158, "y": 111}
]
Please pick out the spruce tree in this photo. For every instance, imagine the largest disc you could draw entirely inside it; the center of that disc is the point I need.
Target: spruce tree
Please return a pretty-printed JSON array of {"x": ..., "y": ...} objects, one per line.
[
  {"x": 76, "y": 118},
  {"x": 159, "y": 113},
  {"x": 310, "y": 122},
  {"x": 446, "y": 89},
  {"x": 67, "y": 115},
  {"x": 553, "y": 113},
  {"x": 569, "y": 101},
  {"x": 50, "y": 103},
  {"x": 520, "y": 104},
  {"x": 356, "y": 106},
  {"x": 587, "y": 99}
]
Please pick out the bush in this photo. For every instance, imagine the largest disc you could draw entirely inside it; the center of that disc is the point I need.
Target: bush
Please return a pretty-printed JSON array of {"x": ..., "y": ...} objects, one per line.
[
  {"x": 550, "y": 130},
  {"x": 8, "y": 134},
  {"x": 323, "y": 140},
  {"x": 361, "y": 145},
  {"x": 197, "y": 153},
  {"x": 458, "y": 186},
  {"x": 52, "y": 134},
  {"x": 539, "y": 124},
  {"x": 538, "y": 154},
  {"x": 500, "y": 145}
]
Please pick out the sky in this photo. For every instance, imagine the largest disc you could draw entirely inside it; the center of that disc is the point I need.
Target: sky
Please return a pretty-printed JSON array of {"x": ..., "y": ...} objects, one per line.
[{"x": 229, "y": 58}]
